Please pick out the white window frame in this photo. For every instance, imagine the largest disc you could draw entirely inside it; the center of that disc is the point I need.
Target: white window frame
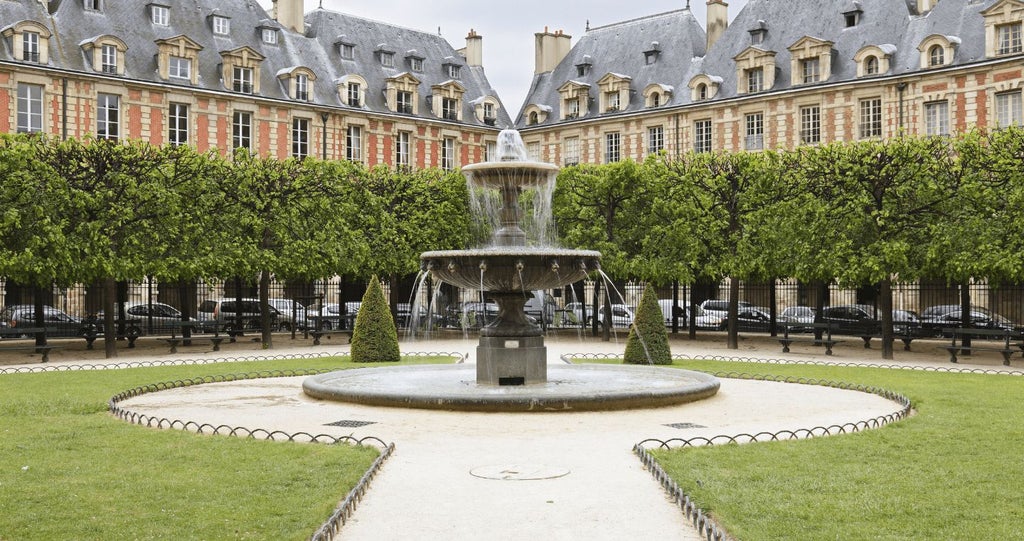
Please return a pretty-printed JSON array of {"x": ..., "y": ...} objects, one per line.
[
  {"x": 177, "y": 124},
  {"x": 403, "y": 149},
  {"x": 92, "y": 5},
  {"x": 416, "y": 64},
  {"x": 810, "y": 70},
  {"x": 1008, "y": 109},
  {"x": 221, "y": 25},
  {"x": 448, "y": 153},
  {"x": 302, "y": 87},
  {"x": 354, "y": 144},
  {"x": 454, "y": 71},
  {"x": 612, "y": 147},
  {"x": 490, "y": 150},
  {"x": 1008, "y": 38},
  {"x": 655, "y": 139},
  {"x": 354, "y": 90},
  {"x": 403, "y": 102},
  {"x": 30, "y": 47},
  {"x": 387, "y": 59},
  {"x": 870, "y": 114},
  {"x": 612, "y": 101},
  {"x": 241, "y": 130},
  {"x": 810, "y": 125},
  {"x": 450, "y": 108},
  {"x": 936, "y": 55},
  {"x": 871, "y": 65},
  {"x": 754, "y": 139},
  {"x": 269, "y": 36},
  {"x": 160, "y": 15},
  {"x": 30, "y": 108},
  {"x": 108, "y": 116},
  {"x": 300, "y": 137},
  {"x": 755, "y": 79},
  {"x": 936, "y": 118},
  {"x": 241, "y": 79},
  {"x": 571, "y": 152},
  {"x": 347, "y": 51},
  {"x": 179, "y": 67},
  {"x": 108, "y": 58},
  {"x": 702, "y": 135}
]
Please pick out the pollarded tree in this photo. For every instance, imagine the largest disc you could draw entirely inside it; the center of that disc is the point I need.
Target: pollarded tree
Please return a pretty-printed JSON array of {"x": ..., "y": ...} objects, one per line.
[
  {"x": 880, "y": 199},
  {"x": 648, "y": 341},
  {"x": 374, "y": 338}
]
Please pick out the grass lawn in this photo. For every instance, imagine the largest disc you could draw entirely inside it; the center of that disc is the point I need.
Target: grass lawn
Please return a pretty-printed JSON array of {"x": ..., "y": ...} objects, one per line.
[
  {"x": 70, "y": 470},
  {"x": 953, "y": 471}
]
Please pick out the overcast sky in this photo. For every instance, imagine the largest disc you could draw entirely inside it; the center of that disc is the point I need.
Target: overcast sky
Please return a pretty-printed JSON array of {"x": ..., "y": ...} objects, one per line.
[{"x": 507, "y": 28}]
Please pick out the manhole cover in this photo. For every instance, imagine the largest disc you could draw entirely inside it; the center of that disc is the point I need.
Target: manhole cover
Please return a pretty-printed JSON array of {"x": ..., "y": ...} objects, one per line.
[
  {"x": 350, "y": 424},
  {"x": 519, "y": 472},
  {"x": 684, "y": 426}
]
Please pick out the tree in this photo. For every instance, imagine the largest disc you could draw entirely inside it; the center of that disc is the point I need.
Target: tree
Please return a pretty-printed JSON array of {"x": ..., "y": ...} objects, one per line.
[
  {"x": 648, "y": 342},
  {"x": 374, "y": 338}
]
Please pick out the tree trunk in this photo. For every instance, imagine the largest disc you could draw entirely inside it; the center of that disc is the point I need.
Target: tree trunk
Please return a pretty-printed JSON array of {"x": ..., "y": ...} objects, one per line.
[
  {"x": 675, "y": 306},
  {"x": 266, "y": 321},
  {"x": 885, "y": 292},
  {"x": 594, "y": 318},
  {"x": 109, "y": 314},
  {"x": 965, "y": 312},
  {"x": 733, "y": 341}
]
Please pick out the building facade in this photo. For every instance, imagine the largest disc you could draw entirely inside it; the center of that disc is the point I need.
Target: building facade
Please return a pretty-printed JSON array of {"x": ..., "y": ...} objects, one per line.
[
  {"x": 780, "y": 75},
  {"x": 225, "y": 74}
]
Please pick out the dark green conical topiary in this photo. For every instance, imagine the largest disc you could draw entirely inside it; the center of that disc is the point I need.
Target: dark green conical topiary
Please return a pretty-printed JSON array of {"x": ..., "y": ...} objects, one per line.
[
  {"x": 648, "y": 341},
  {"x": 374, "y": 338}
]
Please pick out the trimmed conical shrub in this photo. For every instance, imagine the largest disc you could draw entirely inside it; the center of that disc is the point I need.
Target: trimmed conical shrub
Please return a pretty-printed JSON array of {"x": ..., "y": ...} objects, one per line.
[
  {"x": 648, "y": 340},
  {"x": 374, "y": 338}
]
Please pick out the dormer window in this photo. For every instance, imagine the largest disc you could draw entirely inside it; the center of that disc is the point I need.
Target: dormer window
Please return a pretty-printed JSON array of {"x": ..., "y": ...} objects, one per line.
[
  {"x": 30, "y": 42},
  {"x": 758, "y": 34},
  {"x": 936, "y": 55},
  {"x": 403, "y": 103},
  {"x": 656, "y": 99},
  {"x": 1009, "y": 38},
  {"x": 241, "y": 80},
  {"x": 108, "y": 58},
  {"x": 221, "y": 25},
  {"x": 490, "y": 115},
  {"x": 454, "y": 71},
  {"x": 269, "y": 36},
  {"x": 937, "y": 50},
  {"x": 755, "y": 79},
  {"x": 572, "y": 108},
  {"x": 575, "y": 97},
  {"x": 704, "y": 87},
  {"x": 446, "y": 100},
  {"x": 179, "y": 67},
  {"x": 30, "y": 46},
  {"x": 811, "y": 60},
  {"x": 351, "y": 90},
  {"x": 352, "y": 94},
  {"x": 651, "y": 55},
  {"x": 852, "y": 17},
  {"x": 347, "y": 50},
  {"x": 874, "y": 59},
  {"x": 702, "y": 92},
  {"x": 402, "y": 93},
  {"x": 387, "y": 59},
  {"x": 615, "y": 92},
  {"x": 449, "y": 108},
  {"x": 1003, "y": 28},
  {"x": 92, "y": 5},
  {"x": 611, "y": 100},
  {"x": 755, "y": 70},
  {"x": 105, "y": 54},
  {"x": 583, "y": 68},
  {"x": 302, "y": 87},
  {"x": 871, "y": 65},
  {"x": 178, "y": 58},
  {"x": 160, "y": 15},
  {"x": 535, "y": 114},
  {"x": 532, "y": 118},
  {"x": 241, "y": 69},
  {"x": 809, "y": 70},
  {"x": 416, "y": 64}
]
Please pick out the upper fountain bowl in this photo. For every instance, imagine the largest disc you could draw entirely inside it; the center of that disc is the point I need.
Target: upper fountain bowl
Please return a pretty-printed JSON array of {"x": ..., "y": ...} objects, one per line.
[{"x": 511, "y": 268}]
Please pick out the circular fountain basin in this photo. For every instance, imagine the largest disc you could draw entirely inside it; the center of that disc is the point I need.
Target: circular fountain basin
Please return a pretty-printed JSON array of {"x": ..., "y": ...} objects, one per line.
[
  {"x": 581, "y": 387},
  {"x": 511, "y": 268},
  {"x": 502, "y": 174}
]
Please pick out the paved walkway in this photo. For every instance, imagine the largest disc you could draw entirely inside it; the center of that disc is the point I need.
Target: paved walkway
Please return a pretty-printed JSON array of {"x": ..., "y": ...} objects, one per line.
[{"x": 525, "y": 476}]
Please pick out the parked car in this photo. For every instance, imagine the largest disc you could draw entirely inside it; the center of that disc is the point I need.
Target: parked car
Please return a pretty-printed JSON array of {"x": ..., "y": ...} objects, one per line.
[
  {"x": 541, "y": 307},
  {"x": 291, "y": 314},
  {"x": 225, "y": 312},
  {"x": 949, "y": 315},
  {"x": 749, "y": 319},
  {"x": 720, "y": 307},
  {"x": 164, "y": 318},
  {"x": 422, "y": 320},
  {"x": 796, "y": 316},
  {"x": 704, "y": 321},
  {"x": 328, "y": 316},
  {"x": 56, "y": 322},
  {"x": 852, "y": 319},
  {"x": 473, "y": 315}
]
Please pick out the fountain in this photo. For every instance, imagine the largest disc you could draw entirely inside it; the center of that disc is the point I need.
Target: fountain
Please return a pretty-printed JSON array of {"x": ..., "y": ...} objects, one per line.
[{"x": 512, "y": 373}]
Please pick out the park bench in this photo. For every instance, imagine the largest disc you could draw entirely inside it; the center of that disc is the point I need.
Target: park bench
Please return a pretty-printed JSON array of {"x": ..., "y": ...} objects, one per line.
[
  {"x": 317, "y": 334},
  {"x": 868, "y": 330},
  {"x": 127, "y": 329},
  {"x": 1010, "y": 342},
  {"x": 822, "y": 335},
  {"x": 30, "y": 332},
  {"x": 175, "y": 340}
]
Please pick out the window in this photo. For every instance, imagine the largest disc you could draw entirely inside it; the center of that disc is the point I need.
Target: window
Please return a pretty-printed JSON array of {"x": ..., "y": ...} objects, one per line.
[
  {"x": 454, "y": 71},
  {"x": 221, "y": 25},
  {"x": 755, "y": 132},
  {"x": 403, "y": 150},
  {"x": 810, "y": 125},
  {"x": 269, "y": 36},
  {"x": 611, "y": 147},
  {"x": 533, "y": 118},
  {"x": 871, "y": 65},
  {"x": 936, "y": 55},
  {"x": 571, "y": 152},
  {"x": 581, "y": 70},
  {"x": 1008, "y": 109},
  {"x": 108, "y": 58},
  {"x": 387, "y": 59},
  {"x": 177, "y": 120},
  {"x": 490, "y": 150},
  {"x": 936, "y": 118},
  {"x": 852, "y": 18},
  {"x": 241, "y": 81},
  {"x": 348, "y": 51},
  {"x": 656, "y": 99},
  {"x": 404, "y": 102},
  {"x": 30, "y": 46},
  {"x": 91, "y": 5},
  {"x": 1009, "y": 38},
  {"x": 612, "y": 101},
  {"x": 809, "y": 70},
  {"x": 533, "y": 151},
  {"x": 757, "y": 36},
  {"x": 241, "y": 131},
  {"x": 702, "y": 136},
  {"x": 490, "y": 117},
  {"x": 573, "y": 107},
  {"x": 448, "y": 153},
  {"x": 161, "y": 15},
  {"x": 449, "y": 108},
  {"x": 870, "y": 118},
  {"x": 354, "y": 144},
  {"x": 300, "y": 137},
  {"x": 30, "y": 108},
  {"x": 655, "y": 139},
  {"x": 108, "y": 118},
  {"x": 755, "y": 80},
  {"x": 353, "y": 94},
  {"x": 179, "y": 68},
  {"x": 302, "y": 87},
  {"x": 650, "y": 57},
  {"x": 702, "y": 92}
]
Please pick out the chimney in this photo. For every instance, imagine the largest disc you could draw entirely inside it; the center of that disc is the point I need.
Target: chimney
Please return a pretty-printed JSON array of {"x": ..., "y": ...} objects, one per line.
[
  {"x": 924, "y": 6},
  {"x": 291, "y": 15},
  {"x": 718, "y": 20},
  {"x": 474, "y": 51},
  {"x": 550, "y": 49}
]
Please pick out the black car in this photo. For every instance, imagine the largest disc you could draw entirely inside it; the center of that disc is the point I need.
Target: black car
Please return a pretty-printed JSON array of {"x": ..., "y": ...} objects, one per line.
[
  {"x": 855, "y": 319},
  {"x": 749, "y": 319},
  {"x": 949, "y": 316},
  {"x": 55, "y": 321}
]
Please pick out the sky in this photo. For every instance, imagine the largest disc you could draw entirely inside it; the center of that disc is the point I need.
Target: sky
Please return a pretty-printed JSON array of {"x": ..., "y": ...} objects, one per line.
[{"x": 507, "y": 30}]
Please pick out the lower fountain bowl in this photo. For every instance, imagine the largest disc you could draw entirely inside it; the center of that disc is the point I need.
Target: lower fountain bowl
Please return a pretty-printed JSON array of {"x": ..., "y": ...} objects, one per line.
[
  {"x": 511, "y": 268},
  {"x": 578, "y": 387}
]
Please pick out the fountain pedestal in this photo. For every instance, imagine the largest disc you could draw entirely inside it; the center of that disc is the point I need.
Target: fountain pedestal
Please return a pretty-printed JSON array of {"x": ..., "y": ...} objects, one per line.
[{"x": 502, "y": 360}]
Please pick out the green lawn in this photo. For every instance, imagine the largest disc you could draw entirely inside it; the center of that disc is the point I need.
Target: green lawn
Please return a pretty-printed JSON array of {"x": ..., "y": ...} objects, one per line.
[
  {"x": 70, "y": 470},
  {"x": 952, "y": 471}
]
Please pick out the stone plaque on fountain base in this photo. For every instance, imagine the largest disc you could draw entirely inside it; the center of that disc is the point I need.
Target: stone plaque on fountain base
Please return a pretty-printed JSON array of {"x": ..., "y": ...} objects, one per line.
[{"x": 507, "y": 360}]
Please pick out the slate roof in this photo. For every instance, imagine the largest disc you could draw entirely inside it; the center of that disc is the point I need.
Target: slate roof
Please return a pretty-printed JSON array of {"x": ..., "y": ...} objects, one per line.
[
  {"x": 130, "y": 21},
  {"x": 884, "y": 23}
]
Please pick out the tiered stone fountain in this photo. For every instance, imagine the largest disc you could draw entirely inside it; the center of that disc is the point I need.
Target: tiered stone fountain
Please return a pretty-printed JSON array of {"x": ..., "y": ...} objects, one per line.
[{"x": 512, "y": 373}]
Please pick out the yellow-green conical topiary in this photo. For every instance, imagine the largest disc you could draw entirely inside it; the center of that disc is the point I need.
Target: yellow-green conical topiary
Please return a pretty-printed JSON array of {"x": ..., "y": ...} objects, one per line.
[
  {"x": 648, "y": 340},
  {"x": 374, "y": 338}
]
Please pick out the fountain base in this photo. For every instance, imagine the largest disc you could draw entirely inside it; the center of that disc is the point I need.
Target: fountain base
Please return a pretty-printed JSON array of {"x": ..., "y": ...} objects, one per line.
[{"x": 511, "y": 360}]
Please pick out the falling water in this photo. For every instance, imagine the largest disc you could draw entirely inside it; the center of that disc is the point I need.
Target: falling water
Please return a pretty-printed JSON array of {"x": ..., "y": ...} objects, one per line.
[{"x": 609, "y": 286}]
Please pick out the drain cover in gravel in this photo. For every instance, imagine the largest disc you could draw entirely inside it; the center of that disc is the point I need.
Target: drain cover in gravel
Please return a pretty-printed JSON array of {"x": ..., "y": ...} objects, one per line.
[{"x": 519, "y": 472}]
